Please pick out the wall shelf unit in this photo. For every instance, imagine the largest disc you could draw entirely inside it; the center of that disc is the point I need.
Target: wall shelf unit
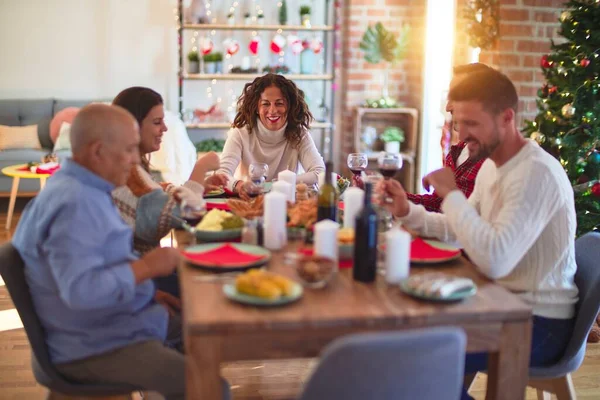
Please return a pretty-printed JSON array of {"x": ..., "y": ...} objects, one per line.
[
  {"x": 376, "y": 120},
  {"x": 202, "y": 91}
]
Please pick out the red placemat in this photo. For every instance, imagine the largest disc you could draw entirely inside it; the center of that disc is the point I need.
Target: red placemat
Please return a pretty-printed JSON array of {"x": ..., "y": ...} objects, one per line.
[
  {"x": 421, "y": 250},
  {"x": 308, "y": 251},
  {"x": 218, "y": 206},
  {"x": 223, "y": 256}
]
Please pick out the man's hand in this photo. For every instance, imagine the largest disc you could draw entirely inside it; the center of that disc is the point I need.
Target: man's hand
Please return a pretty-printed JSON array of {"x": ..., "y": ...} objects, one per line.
[
  {"x": 158, "y": 262},
  {"x": 392, "y": 189},
  {"x": 442, "y": 180},
  {"x": 170, "y": 302}
]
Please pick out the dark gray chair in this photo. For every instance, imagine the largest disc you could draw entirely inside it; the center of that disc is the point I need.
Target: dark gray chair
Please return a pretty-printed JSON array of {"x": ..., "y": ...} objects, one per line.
[
  {"x": 423, "y": 364},
  {"x": 13, "y": 273},
  {"x": 557, "y": 378}
]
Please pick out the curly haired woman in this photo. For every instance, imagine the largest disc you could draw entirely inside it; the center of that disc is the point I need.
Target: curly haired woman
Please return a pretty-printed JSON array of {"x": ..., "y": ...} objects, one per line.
[{"x": 271, "y": 127}]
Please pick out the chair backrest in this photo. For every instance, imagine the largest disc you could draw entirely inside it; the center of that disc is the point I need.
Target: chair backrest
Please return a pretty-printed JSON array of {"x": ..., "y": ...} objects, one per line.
[
  {"x": 423, "y": 364},
  {"x": 12, "y": 269},
  {"x": 587, "y": 279}
]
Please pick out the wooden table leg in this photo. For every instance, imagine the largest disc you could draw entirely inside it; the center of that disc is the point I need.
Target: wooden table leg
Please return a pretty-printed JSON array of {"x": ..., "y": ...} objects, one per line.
[
  {"x": 12, "y": 200},
  {"x": 203, "y": 369},
  {"x": 43, "y": 182},
  {"x": 508, "y": 369}
]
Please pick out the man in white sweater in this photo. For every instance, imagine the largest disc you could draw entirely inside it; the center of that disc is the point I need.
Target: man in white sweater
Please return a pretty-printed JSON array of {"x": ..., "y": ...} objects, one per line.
[{"x": 518, "y": 226}]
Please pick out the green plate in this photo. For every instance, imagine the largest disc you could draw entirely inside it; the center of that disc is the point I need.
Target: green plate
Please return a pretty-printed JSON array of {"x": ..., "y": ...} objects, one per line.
[
  {"x": 454, "y": 297},
  {"x": 267, "y": 187},
  {"x": 232, "y": 294},
  {"x": 219, "y": 236},
  {"x": 247, "y": 248},
  {"x": 214, "y": 193}
]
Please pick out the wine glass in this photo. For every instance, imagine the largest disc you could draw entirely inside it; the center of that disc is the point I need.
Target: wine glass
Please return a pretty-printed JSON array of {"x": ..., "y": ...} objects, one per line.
[
  {"x": 192, "y": 210},
  {"x": 389, "y": 164},
  {"x": 357, "y": 163},
  {"x": 258, "y": 175}
]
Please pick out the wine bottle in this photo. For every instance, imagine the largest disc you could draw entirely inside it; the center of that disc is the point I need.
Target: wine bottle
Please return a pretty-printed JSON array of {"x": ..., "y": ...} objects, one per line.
[
  {"x": 365, "y": 240},
  {"x": 328, "y": 197}
]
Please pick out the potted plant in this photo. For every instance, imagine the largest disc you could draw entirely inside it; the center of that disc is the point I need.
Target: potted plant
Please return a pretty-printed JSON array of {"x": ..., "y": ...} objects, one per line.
[
  {"x": 392, "y": 136},
  {"x": 213, "y": 63},
  {"x": 260, "y": 17},
  {"x": 283, "y": 13},
  {"x": 231, "y": 18},
  {"x": 247, "y": 19},
  {"x": 305, "y": 16},
  {"x": 193, "y": 62},
  {"x": 379, "y": 45}
]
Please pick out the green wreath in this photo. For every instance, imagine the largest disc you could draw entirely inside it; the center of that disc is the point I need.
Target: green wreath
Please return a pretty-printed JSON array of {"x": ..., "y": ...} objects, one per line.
[{"x": 484, "y": 33}]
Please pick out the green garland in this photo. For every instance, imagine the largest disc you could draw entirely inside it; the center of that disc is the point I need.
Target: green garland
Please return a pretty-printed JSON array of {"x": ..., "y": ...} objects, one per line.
[{"x": 484, "y": 33}]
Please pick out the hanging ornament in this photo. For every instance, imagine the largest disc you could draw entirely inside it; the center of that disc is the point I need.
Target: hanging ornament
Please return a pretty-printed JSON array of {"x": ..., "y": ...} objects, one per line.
[
  {"x": 206, "y": 45},
  {"x": 552, "y": 89},
  {"x": 583, "y": 179},
  {"x": 254, "y": 45},
  {"x": 316, "y": 45},
  {"x": 594, "y": 158},
  {"x": 543, "y": 92},
  {"x": 295, "y": 44},
  {"x": 277, "y": 44},
  {"x": 584, "y": 62},
  {"x": 538, "y": 137},
  {"x": 561, "y": 69},
  {"x": 568, "y": 110},
  {"x": 590, "y": 115},
  {"x": 544, "y": 62},
  {"x": 232, "y": 46},
  {"x": 596, "y": 189},
  {"x": 482, "y": 17},
  {"x": 565, "y": 16}
]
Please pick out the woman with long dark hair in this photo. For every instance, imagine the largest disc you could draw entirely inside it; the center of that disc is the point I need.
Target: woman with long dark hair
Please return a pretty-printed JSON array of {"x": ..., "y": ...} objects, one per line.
[{"x": 271, "y": 127}]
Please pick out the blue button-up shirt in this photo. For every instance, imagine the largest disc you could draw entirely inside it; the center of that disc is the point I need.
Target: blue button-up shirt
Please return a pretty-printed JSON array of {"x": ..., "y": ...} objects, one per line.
[{"x": 78, "y": 252}]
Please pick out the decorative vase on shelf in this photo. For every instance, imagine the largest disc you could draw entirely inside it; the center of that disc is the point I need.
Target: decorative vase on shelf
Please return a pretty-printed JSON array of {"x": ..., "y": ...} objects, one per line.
[
  {"x": 307, "y": 62},
  {"x": 306, "y": 20},
  {"x": 260, "y": 18},
  {"x": 193, "y": 67},
  {"x": 210, "y": 67},
  {"x": 231, "y": 19},
  {"x": 218, "y": 67},
  {"x": 392, "y": 147},
  {"x": 247, "y": 19}
]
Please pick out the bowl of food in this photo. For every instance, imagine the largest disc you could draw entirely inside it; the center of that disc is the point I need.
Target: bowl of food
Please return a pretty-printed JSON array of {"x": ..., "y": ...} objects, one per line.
[
  {"x": 346, "y": 243},
  {"x": 315, "y": 271},
  {"x": 219, "y": 225}
]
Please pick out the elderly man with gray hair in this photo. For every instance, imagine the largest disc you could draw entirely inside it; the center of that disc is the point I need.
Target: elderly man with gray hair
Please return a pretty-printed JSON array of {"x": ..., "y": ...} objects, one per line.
[{"x": 94, "y": 297}]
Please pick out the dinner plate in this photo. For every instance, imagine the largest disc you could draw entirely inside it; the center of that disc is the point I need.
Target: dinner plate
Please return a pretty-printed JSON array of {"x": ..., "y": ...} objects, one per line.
[
  {"x": 217, "y": 261},
  {"x": 449, "y": 253},
  {"x": 454, "y": 297},
  {"x": 231, "y": 293},
  {"x": 214, "y": 193}
]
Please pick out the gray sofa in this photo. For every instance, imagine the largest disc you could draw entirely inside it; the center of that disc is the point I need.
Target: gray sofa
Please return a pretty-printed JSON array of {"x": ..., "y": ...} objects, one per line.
[{"x": 22, "y": 112}]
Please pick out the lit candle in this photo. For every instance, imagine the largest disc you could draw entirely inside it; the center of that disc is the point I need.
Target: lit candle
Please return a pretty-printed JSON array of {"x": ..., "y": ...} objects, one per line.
[
  {"x": 397, "y": 255},
  {"x": 289, "y": 177},
  {"x": 353, "y": 203},
  {"x": 325, "y": 239},
  {"x": 275, "y": 213}
]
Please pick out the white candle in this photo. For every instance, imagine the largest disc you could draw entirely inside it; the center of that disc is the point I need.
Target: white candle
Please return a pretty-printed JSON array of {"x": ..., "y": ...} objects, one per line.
[
  {"x": 353, "y": 202},
  {"x": 283, "y": 188},
  {"x": 397, "y": 255},
  {"x": 275, "y": 213},
  {"x": 326, "y": 243},
  {"x": 289, "y": 177}
]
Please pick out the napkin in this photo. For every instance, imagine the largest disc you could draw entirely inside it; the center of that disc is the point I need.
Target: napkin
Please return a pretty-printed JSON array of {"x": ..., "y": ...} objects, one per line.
[
  {"x": 421, "y": 250},
  {"x": 47, "y": 168},
  {"x": 308, "y": 251},
  {"x": 218, "y": 206},
  {"x": 225, "y": 256}
]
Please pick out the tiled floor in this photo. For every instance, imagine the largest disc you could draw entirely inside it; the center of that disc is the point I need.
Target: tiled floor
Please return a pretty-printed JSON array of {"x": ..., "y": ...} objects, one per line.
[{"x": 257, "y": 380}]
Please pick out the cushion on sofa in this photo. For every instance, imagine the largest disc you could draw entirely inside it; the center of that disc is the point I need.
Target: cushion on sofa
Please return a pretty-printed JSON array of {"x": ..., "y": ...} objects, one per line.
[
  {"x": 23, "y": 112},
  {"x": 63, "y": 141},
  {"x": 65, "y": 115},
  {"x": 19, "y": 137}
]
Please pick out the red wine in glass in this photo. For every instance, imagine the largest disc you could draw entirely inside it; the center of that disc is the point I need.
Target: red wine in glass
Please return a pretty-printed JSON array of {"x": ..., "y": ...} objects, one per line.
[
  {"x": 388, "y": 172},
  {"x": 357, "y": 171},
  {"x": 193, "y": 221}
]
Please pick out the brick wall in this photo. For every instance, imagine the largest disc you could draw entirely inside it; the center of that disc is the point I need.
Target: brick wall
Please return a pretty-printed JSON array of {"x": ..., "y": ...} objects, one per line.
[
  {"x": 363, "y": 80},
  {"x": 526, "y": 29}
]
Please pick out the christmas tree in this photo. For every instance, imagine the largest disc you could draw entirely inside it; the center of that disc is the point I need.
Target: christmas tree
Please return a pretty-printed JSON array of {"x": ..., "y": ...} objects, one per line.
[{"x": 568, "y": 122}]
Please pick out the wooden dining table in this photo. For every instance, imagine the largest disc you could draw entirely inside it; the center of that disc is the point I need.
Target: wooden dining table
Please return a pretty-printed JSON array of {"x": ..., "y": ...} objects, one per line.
[{"x": 218, "y": 330}]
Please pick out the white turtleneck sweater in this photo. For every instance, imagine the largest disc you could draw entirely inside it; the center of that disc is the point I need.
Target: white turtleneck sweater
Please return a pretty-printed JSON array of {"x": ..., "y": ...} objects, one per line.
[
  {"x": 269, "y": 147},
  {"x": 518, "y": 227}
]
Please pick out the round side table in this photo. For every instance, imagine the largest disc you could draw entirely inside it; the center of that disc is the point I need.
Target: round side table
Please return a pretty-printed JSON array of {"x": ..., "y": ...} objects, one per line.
[{"x": 15, "y": 172}]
